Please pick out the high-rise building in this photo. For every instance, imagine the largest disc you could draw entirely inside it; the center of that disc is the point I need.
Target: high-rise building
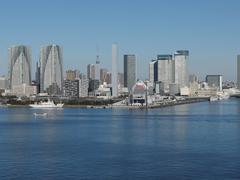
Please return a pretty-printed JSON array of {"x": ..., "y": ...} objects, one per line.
[
  {"x": 103, "y": 75},
  {"x": 93, "y": 85},
  {"x": 238, "y": 71},
  {"x": 169, "y": 70},
  {"x": 215, "y": 81},
  {"x": 51, "y": 69},
  {"x": 120, "y": 80},
  {"x": 165, "y": 72},
  {"x": 129, "y": 70},
  {"x": 91, "y": 71},
  {"x": 83, "y": 85},
  {"x": 109, "y": 78},
  {"x": 153, "y": 71},
  {"x": 114, "y": 70},
  {"x": 71, "y": 88},
  {"x": 19, "y": 65},
  {"x": 180, "y": 67},
  {"x": 37, "y": 77}
]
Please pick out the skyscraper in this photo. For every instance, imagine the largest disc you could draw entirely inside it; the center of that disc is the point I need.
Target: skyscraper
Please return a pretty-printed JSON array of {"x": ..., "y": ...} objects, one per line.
[
  {"x": 153, "y": 71},
  {"x": 180, "y": 67},
  {"x": 165, "y": 73},
  {"x": 51, "y": 80},
  {"x": 91, "y": 71},
  {"x": 19, "y": 65},
  {"x": 114, "y": 70},
  {"x": 238, "y": 71},
  {"x": 129, "y": 70}
]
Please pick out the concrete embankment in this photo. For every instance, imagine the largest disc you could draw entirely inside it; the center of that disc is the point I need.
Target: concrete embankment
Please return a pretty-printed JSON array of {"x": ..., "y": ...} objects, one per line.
[
  {"x": 166, "y": 103},
  {"x": 179, "y": 102}
]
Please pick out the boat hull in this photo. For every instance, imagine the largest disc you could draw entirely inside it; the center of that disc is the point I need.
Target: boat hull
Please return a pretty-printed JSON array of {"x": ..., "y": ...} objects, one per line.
[{"x": 45, "y": 106}]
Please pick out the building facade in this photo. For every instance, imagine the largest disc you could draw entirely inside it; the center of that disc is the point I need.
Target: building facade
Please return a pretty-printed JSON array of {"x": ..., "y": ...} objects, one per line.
[
  {"x": 129, "y": 65},
  {"x": 37, "y": 77},
  {"x": 71, "y": 88},
  {"x": 165, "y": 70},
  {"x": 3, "y": 83},
  {"x": 19, "y": 65},
  {"x": 72, "y": 74},
  {"x": 215, "y": 81},
  {"x": 83, "y": 85},
  {"x": 93, "y": 85},
  {"x": 120, "y": 80},
  {"x": 153, "y": 71},
  {"x": 114, "y": 70},
  {"x": 180, "y": 68},
  {"x": 91, "y": 71},
  {"x": 103, "y": 75},
  {"x": 51, "y": 70},
  {"x": 24, "y": 90}
]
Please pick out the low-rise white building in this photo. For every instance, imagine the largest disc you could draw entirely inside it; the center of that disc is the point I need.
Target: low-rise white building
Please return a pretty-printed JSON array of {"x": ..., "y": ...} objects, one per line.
[{"x": 24, "y": 90}]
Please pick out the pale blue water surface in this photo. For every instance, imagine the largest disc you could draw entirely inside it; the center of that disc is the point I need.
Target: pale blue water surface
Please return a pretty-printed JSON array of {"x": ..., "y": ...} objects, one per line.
[{"x": 193, "y": 141}]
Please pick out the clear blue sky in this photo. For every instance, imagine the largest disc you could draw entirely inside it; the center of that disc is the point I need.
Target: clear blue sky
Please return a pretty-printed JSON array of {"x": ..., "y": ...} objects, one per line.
[{"x": 209, "y": 29}]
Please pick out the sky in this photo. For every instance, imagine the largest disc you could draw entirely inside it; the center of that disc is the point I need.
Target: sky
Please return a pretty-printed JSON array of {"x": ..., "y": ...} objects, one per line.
[{"x": 209, "y": 29}]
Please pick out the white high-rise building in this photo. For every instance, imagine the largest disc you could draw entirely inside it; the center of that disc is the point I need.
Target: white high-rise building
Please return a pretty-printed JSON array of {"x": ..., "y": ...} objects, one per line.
[
  {"x": 165, "y": 70},
  {"x": 114, "y": 70},
  {"x": 19, "y": 65},
  {"x": 238, "y": 71},
  {"x": 83, "y": 85},
  {"x": 180, "y": 67},
  {"x": 51, "y": 70}
]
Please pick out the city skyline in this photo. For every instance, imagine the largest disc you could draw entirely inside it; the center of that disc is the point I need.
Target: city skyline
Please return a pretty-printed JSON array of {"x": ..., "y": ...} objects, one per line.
[{"x": 138, "y": 27}]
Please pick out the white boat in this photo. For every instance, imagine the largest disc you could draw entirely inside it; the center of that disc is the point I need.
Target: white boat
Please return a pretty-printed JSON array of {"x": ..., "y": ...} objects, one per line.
[
  {"x": 213, "y": 98},
  {"x": 223, "y": 96},
  {"x": 48, "y": 104}
]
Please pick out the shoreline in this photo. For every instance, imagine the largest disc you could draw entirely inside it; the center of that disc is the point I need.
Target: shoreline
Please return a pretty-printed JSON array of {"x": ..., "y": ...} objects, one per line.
[
  {"x": 166, "y": 104},
  {"x": 160, "y": 105}
]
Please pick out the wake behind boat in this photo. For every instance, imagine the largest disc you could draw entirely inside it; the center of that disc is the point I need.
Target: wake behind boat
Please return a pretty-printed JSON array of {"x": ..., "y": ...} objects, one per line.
[
  {"x": 48, "y": 104},
  {"x": 40, "y": 114}
]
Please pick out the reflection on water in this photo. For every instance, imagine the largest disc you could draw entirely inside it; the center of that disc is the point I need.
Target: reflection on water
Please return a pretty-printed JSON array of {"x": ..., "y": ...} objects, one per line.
[{"x": 186, "y": 141}]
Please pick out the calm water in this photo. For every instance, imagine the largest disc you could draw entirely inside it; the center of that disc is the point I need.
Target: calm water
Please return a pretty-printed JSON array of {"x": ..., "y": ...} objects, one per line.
[{"x": 182, "y": 142}]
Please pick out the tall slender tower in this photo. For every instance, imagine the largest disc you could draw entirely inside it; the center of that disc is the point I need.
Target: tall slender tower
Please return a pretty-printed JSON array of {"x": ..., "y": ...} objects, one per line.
[
  {"x": 51, "y": 68},
  {"x": 19, "y": 65},
  {"x": 97, "y": 67},
  {"x": 114, "y": 70}
]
